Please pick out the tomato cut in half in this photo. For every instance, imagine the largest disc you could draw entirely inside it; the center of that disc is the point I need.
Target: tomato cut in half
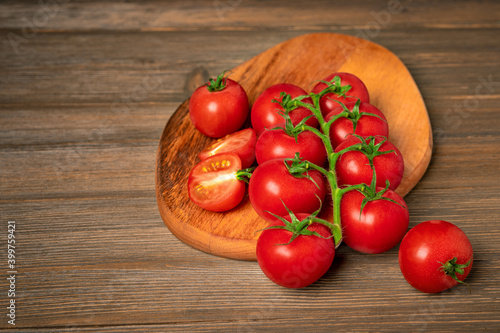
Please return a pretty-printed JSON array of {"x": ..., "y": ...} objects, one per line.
[
  {"x": 241, "y": 143},
  {"x": 213, "y": 184}
]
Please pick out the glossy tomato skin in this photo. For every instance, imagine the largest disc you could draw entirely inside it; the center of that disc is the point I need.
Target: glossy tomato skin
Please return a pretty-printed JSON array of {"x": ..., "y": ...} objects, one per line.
[
  {"x": 353, "y": 167},
  {"x": 265, "y": 114},
  {"x": 367, "y": 125},
  {"x": 381, "y": 226},
  {"x": 219, "y": 113},
  {"x": 358, "y": 91},
  {"x": 212, "y": 183},
  {"x": 271, "y": 182},
  {"x": 278, "y": 144},
  {"x": 300, "y": 263},
  {"x": 241, "y": 143},
  {"x": 423, "y": 250}
]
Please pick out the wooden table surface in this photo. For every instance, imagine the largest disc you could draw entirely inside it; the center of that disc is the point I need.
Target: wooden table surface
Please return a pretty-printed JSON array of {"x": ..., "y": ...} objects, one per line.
[{"x": 86, "y": 89}]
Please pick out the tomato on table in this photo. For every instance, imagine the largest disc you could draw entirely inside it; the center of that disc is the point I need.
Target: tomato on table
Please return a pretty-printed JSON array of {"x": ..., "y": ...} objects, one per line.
[
  {"x": 435, "y": 255},
  {"x": 378, "y": 226},
  {"x": 363, "y": 119},
  {"x": 265, "y": 112},
  {"x": 241, "y": 143},
  {"x": 219, "y": 107},
  {"x": 298, "y": 263},
  {"x": 272, "y": 187},
  {"x": 353, "y": 167},
  {"x": 357, "y": 91},
  {"x": 213, "y": 183}
]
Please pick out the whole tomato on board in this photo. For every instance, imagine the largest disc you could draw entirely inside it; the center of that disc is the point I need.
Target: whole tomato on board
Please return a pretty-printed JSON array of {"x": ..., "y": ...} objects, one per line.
[
  {"x": 241, "y": 143},
  {"x": 435, "y": 255},
  {"x": 350, "y": 88},
  {"x": 375, "y": 225},
  {"x": 266, "y": 111},
  {"x": 284, "y": 143},
  {"x": 362, "y": 119},
  {"x": 353, "y": 167},
  {"x": 272, "y": 187},
  {"x": 214, "y": 184},
  {"x": 219, "y": 107},
  {"x": 295, "y": 262}
]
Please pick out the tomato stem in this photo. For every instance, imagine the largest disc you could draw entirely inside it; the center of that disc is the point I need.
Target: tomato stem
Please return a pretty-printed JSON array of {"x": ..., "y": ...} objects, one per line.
[
  {"x": 245, "y": 174},
  {"x": 451, "y": 268},
  {"x": 217, "y": 84},
  {"x": 370, "y": 149}
]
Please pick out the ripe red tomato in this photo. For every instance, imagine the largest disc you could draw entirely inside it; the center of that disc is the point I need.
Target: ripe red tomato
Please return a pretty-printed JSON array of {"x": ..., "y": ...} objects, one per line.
[
  {"x": 429, "y": 248},
  {"x": 366, "y": 125},
  {"x": 265, "y": 112},
  {"x": 358, "y": 91},
  {"x": 300, "y": 263},
  {"x": 241, "y": 143},
  {"x": 380, "y": 226},
  {"x": 272, "y": 186},
  {"x": 278, "y": 144},
  {"x": 221, "y": 111},
  {"x": 213, "y": 184},
  {"x": 353, "y": 167}
]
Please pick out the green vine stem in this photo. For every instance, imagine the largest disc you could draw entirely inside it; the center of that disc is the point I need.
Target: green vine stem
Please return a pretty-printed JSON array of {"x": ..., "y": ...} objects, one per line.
[{"x": 323, "y": 133}]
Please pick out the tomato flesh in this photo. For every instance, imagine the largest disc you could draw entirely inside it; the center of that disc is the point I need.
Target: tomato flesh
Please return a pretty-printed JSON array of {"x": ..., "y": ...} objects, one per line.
[
  {"x": 241, "y": 143},
  {"x": 212, "y": 183}
]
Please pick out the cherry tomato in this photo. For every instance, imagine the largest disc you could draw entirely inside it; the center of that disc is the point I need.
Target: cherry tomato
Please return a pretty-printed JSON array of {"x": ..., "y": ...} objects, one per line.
[
  {"x": 221, "y": 110},
  {"x": 299, "y": 263},
  {"x": 432, "y": 253},
  {"x": 366, "y": 125},
  {"x": 241, "y": 143},
  {"x": 278, "y": 144},
  {"x": 380, "y": 226},
  {"x": 358, "y": 91},
  {"x": 213, "y": 184},
  {"x": 265, "y": 112},
  {"x": 353, "y": 167},
  {"x": 271, "y": 187}
]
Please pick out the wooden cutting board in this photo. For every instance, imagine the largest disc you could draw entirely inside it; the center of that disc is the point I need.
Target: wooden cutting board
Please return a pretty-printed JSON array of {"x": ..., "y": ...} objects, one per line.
[{"x": 300, "y": 61}]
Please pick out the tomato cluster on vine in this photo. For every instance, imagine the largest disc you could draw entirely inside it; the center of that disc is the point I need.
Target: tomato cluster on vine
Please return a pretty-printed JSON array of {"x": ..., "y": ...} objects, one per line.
[{"x": 320, "y": 169}]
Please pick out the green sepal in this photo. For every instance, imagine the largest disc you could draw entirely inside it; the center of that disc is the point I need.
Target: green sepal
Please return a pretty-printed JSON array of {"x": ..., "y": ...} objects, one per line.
[
  {"x": 217, "y": 84},
  {"x": 451, "y": 268},
  {"x": 297, "y": 227},
  {"x": 245, "y": 174}
]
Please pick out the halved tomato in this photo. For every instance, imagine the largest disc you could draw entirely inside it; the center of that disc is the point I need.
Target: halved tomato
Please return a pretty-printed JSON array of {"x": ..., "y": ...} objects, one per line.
[
  {"x": 213, "y": 183},
  {"x": 241, "y": 143}
]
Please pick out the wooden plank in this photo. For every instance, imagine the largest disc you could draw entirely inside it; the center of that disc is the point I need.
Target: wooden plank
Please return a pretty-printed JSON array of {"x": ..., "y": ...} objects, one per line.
[
  {"x": 102, "y": 67},
  {"x": 242, "y": 15},
  {"x": 94, "y": 254}
]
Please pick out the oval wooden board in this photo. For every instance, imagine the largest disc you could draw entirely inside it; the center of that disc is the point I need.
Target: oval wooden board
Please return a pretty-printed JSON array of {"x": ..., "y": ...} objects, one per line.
[{"x": 301, "y": 61}]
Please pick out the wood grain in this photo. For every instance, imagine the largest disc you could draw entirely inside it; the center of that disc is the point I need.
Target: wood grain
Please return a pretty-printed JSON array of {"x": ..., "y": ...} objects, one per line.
[
  {"x": 78, "y": 175},
  {"x": 299, "y": 61}
]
